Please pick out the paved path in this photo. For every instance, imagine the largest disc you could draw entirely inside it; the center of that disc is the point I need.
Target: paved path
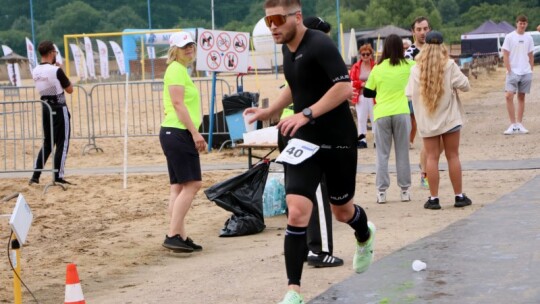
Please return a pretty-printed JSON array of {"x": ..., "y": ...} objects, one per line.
[
  {"x": 526, "y": 164},
  {"x": 493, "y": 256}
]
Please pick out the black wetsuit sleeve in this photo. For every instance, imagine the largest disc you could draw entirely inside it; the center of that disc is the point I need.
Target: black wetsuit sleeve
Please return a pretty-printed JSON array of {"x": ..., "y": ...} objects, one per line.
[
  {"x": 329, "y": 58},
  {"x": 369, "y": 93},
  {"x": 64, "y": 81}
]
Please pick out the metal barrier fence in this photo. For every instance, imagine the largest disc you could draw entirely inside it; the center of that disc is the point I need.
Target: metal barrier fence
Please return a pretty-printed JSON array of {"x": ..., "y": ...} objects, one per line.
[
  {"x": 21, "y": 135},
  {"x": 97, "y": 111}
]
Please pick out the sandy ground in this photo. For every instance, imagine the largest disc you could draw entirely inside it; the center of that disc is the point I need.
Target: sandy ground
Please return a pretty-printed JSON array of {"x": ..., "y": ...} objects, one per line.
[{"x": 114, "y": 235}]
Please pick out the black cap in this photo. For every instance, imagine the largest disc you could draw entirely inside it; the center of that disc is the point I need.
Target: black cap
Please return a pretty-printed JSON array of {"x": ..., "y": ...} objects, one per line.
[
  {"x": 317, "y": 23},
  {"x": 434, "y": 37}
]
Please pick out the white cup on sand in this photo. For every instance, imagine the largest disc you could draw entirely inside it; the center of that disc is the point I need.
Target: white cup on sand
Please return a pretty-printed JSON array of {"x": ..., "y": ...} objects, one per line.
[
  {"x": 249, "y": 126},
  {"x": 418, "y": 265}
]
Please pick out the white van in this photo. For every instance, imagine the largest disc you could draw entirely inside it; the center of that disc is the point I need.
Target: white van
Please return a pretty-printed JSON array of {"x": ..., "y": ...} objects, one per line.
[{"x": 482, "y": 43}]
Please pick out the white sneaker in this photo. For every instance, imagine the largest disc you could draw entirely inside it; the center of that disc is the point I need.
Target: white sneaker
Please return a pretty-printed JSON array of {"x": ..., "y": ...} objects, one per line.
[
  {"x": 521, "y": 129},
  {"x": 381, "y": 197},
  {"x": 405, "y": 195},
  {"x": 512, "y": 129}
]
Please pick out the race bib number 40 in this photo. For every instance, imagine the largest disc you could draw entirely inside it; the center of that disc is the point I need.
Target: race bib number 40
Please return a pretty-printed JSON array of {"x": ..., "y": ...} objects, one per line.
[{"x": 297, "y": 151}]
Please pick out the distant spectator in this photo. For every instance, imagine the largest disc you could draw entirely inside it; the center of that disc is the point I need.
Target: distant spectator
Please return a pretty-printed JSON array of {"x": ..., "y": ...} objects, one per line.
[
  {"x": 419, "y": 28},
  {"x": 406, "y": 44},
  {"x": 387, "y": 83},
  {"x": 52, "y": 84},
  {"x": 180, "y": 139},
  {"x": 439, "y": 114},
  {"x": 364, "y": 106},
  {"x": 519, "y": 62}
]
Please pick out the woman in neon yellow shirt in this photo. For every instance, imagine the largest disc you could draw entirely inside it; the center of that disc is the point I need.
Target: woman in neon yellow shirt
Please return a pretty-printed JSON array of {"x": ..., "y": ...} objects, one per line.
[
  {"x": 387, "y": 81},
  {"x": 180, "y": 139}
]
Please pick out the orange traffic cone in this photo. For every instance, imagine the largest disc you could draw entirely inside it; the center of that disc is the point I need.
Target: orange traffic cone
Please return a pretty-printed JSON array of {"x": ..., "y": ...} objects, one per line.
[{"x": 74, "y": 294}]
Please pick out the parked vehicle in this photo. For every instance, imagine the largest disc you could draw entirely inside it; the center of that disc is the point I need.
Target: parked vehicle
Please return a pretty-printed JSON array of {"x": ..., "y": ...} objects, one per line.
[
  {"x": 482, "y": 43},
  {"x": 536, "y": 38}
]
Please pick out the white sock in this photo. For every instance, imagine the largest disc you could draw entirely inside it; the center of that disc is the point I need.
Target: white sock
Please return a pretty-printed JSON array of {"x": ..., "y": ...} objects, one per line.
[{"x": 460, "y": 195}]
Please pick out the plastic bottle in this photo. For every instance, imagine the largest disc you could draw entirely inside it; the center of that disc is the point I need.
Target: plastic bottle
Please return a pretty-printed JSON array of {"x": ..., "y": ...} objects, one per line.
[
  {"x": 268, "y": 197},
  {"x": 280, "y": 203}
]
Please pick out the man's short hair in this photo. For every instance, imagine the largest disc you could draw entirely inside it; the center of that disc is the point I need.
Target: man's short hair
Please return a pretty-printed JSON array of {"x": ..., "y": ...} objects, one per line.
[
  {"x": 284, "y": 3},
  {"x": 418, "y": 20},
  {"x": 522, "y": 18},
  {"x": 45, "y": 47}
]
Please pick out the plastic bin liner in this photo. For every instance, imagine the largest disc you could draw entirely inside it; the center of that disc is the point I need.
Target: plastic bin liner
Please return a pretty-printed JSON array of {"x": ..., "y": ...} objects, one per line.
[
  {"x": 242, "y": 195},
  {"x": 238, "y": 102}
]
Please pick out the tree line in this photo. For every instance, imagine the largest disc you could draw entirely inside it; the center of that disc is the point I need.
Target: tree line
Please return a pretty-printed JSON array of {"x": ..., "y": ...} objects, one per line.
[{"x": 55, "y": 18}]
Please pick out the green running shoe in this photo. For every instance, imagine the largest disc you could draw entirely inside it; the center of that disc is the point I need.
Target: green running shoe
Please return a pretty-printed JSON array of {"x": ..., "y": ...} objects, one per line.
[
  {"x": 364, "y": 251},
  {"x": 424, "y": 182},
  {"x": 292, "y": 297}
]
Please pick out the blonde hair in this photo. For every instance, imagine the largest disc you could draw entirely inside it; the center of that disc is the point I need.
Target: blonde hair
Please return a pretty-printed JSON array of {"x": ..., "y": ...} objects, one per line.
[
  {"x": 174, "y": 54},
  {"x": 431, "y": 62}
]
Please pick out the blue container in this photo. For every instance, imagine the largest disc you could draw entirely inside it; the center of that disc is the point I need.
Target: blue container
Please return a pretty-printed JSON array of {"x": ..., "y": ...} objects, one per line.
[{"x": 235, "y": 123}]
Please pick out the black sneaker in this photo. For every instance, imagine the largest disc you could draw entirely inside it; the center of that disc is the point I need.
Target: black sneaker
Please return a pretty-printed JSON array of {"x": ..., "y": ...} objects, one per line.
[
  {"x": 33, "y": 180},
  {"x": 432, "y": 204},
  {"x": 190, "y": 243},
  {"x": 462, "y": 201},
  {"x": 362, "y": 144},
  {"x": 63, "y": 182},
  {"x": 323, "y": 260},
  {"x": 176, "y": 243}
]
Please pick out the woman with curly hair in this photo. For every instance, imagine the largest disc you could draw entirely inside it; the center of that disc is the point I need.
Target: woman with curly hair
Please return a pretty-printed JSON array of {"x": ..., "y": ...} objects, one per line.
[{"x": 439, "y": 114}]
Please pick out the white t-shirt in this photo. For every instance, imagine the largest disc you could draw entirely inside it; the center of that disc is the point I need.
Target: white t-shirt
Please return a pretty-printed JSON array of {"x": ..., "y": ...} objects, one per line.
[{"x": 519, "y": 47}]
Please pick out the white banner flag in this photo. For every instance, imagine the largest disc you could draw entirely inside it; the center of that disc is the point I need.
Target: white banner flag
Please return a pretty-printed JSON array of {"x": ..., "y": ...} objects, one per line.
[
  {"x": 78, "y": 58},
  {"x": 14, "y": 74},
  {"x": 151, "y": 52},
  {"x": 59, "y": 59},
  {"x": 103, "y": 58},
  {"x": 6, "y": 49},
  {"x": 31, "y": 54},
  {"x": 119, "y": 55},
  {"x": 89, "y": 57}
]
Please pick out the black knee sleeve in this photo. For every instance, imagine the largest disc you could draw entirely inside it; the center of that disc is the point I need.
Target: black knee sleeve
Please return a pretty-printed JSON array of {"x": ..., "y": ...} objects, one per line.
[{"x": 295, "y": 248}]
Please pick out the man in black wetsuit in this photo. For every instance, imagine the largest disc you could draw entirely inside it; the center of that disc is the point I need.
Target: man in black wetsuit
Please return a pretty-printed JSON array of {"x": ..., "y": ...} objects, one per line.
[{"x": 319, "y": 87}]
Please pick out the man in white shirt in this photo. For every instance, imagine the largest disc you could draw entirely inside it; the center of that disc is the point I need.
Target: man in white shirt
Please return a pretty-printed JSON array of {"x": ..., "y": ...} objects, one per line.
[
  {"x": 52, "y": 82},
  {"x": 519, "y": 62}
]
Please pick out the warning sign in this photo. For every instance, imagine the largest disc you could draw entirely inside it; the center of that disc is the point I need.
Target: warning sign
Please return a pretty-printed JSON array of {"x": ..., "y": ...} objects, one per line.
[
  {"x": 223, "y": 51},
  {"x": 231, "y": 61},
  {"x": 240, "y": 44},
  {"x": 213, "y": 60},
  {"x": 206, "y": 41}
]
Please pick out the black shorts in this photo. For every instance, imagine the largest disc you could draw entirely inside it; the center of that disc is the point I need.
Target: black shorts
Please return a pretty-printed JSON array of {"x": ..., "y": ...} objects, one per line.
[
  {"x": 338, "y": 164},
  {"x": 183, "y": 159}
]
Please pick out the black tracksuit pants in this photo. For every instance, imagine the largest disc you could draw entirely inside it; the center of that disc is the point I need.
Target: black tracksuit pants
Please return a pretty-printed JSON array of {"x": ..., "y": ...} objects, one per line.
[{"x": 59, "y": 130}]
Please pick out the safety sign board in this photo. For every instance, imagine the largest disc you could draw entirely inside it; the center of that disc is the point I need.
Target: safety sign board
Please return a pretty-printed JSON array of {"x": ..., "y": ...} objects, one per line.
[{"x": 222, "y": 51}]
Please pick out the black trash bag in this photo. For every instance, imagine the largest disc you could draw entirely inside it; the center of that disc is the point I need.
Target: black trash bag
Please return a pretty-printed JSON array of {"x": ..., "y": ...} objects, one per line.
[
  {"x": 242, "y": 225},
  {"x": 238, "y": 102},
  {"x": 242, "y": 195}
]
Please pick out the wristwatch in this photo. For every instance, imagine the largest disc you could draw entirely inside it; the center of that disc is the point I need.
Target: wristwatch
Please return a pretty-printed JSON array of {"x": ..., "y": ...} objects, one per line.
[{"x": 307, "y": 113}]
